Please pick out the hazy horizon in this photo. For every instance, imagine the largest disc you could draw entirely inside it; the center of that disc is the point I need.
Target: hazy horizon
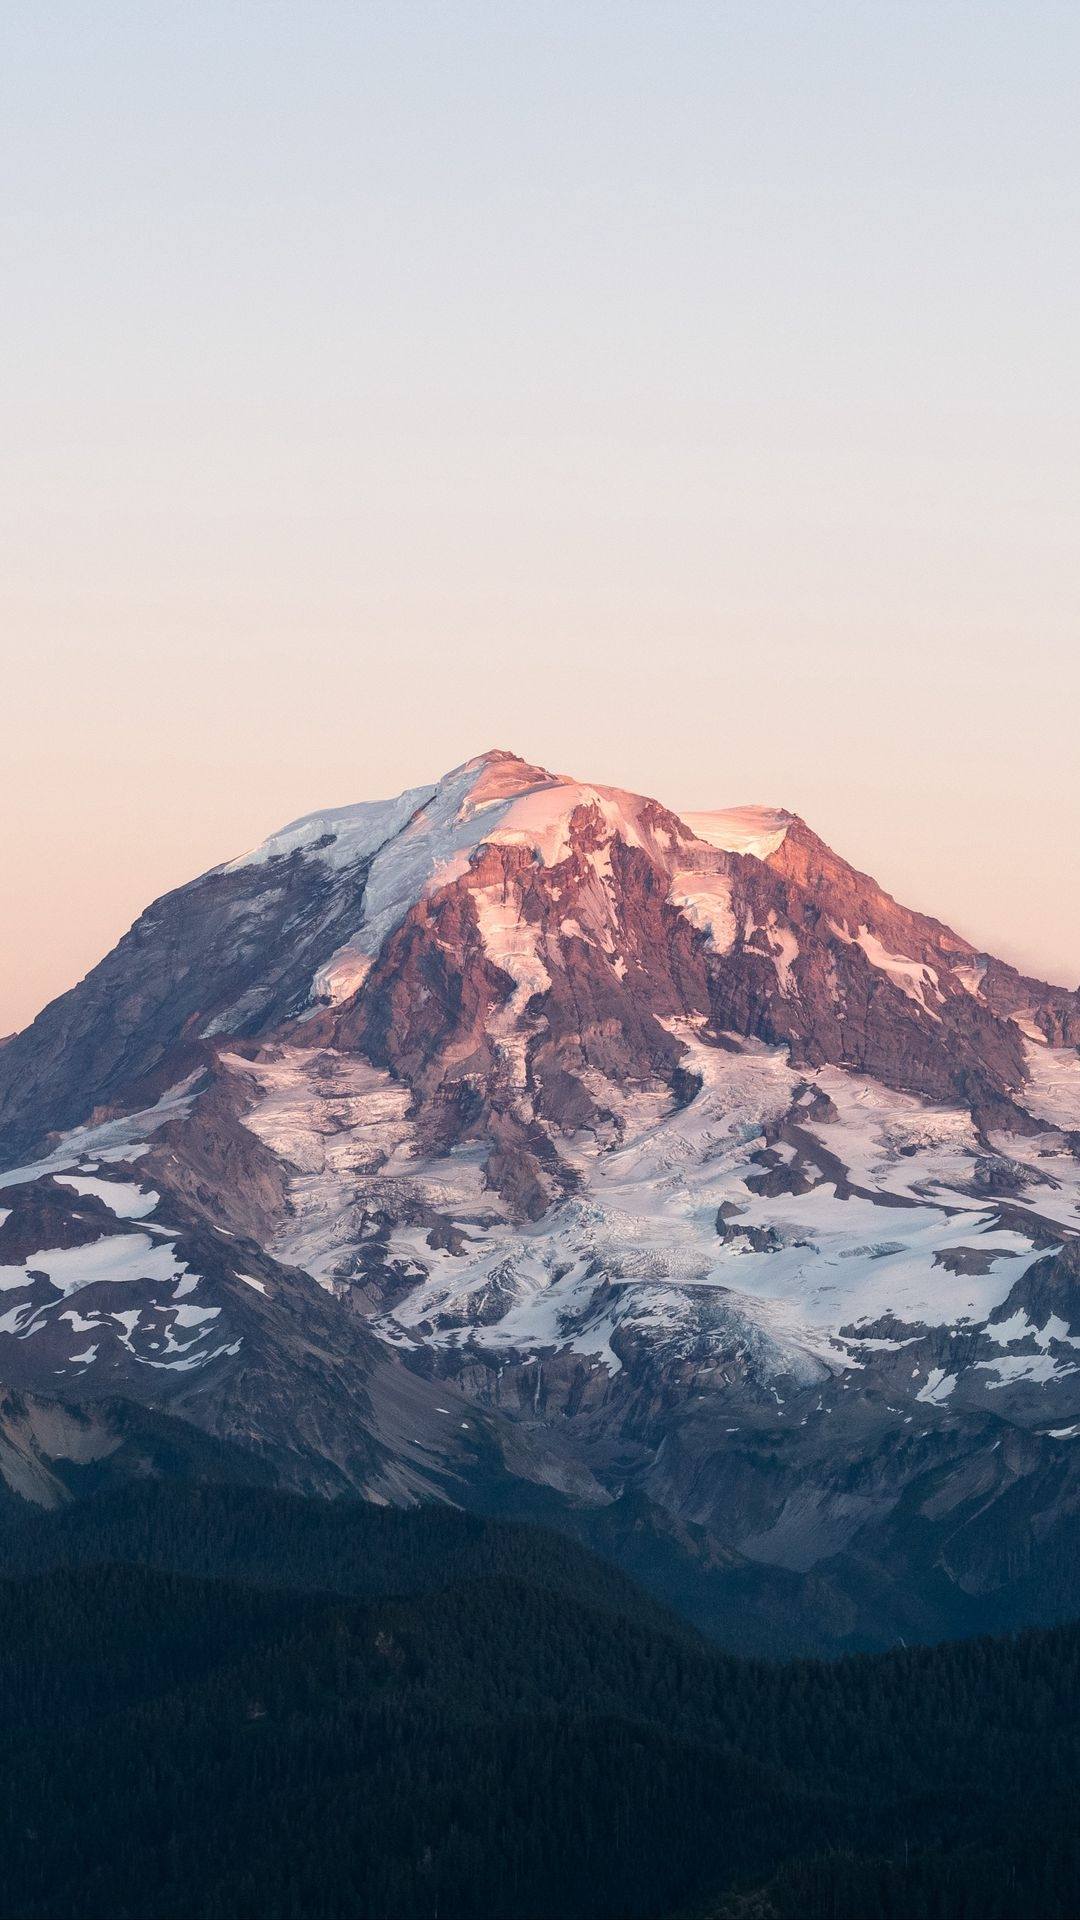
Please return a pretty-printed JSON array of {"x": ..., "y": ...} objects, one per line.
[{"x": 684, "y": 398}]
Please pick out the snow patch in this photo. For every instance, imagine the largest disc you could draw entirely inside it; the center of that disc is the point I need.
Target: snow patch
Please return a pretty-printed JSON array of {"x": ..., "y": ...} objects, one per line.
[
  {"x": 351, "y": 833},
  {"x": 938, "y": 1387},
  {"x": 758, "y": 831},
  {"x": 971, "y": 974},
  {"x": 705, "y": 898},
  {"x": 911, "y": 976},
  {"x": 125, "y": 1201},
  {"x": 118, "y": 1259},
  {"x": 1052, "y": 1091},
  {"x": 110, "y": 1141}
]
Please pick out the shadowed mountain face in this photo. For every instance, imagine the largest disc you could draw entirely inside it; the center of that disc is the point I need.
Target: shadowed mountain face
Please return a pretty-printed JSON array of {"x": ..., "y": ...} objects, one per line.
[{"x": 523, "y": 1143}]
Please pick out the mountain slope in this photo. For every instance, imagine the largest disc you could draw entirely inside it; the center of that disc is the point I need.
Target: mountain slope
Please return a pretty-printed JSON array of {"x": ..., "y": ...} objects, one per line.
[
  {"x": 522, "y": 1142},
  {"x": 426, "y": 1716}
]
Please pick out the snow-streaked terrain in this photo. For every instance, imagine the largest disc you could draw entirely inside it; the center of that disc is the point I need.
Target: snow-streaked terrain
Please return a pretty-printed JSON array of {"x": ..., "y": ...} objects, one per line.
[
  {"x": 839, "y": 1279},
  {"x": 130, "y": 1281}
]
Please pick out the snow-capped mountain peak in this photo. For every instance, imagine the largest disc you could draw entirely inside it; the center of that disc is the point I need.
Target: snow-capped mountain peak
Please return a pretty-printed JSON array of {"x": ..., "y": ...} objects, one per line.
[{"x": 527, "y": 1100}]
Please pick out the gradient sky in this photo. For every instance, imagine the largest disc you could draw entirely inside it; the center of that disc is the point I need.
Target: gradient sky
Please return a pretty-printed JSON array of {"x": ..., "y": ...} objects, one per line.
[{"x": 684, "y": 396}]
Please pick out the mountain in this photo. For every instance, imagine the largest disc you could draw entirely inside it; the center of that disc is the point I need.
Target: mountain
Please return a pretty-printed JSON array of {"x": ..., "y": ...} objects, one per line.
[{"x": 527, "y": 1145}]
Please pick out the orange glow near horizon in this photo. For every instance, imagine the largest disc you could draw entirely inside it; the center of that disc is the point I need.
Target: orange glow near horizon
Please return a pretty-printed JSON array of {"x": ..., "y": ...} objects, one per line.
[{"x": 686, "y": 399}]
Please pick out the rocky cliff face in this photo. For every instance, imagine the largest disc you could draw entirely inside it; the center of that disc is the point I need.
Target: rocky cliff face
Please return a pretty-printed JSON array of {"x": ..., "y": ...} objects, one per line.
[{"x": 522, "y": 1141}]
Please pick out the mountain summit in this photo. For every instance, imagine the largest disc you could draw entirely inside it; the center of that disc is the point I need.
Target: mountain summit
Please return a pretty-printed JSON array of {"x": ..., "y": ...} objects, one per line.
[{"x": 523, "y": 1139}]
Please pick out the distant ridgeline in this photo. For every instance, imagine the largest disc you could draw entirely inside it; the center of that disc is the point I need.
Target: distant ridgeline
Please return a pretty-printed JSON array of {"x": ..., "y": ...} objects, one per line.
[{"x": 231, "y": 1703}]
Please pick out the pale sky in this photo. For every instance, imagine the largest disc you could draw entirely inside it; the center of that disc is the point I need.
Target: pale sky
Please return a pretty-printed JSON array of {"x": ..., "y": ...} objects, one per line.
[{"x": 685, "y": 396}]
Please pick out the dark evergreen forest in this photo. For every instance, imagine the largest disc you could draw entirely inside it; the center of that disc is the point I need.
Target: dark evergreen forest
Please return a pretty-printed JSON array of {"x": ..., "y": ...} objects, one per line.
[{"x": 226, "y": 1704}]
